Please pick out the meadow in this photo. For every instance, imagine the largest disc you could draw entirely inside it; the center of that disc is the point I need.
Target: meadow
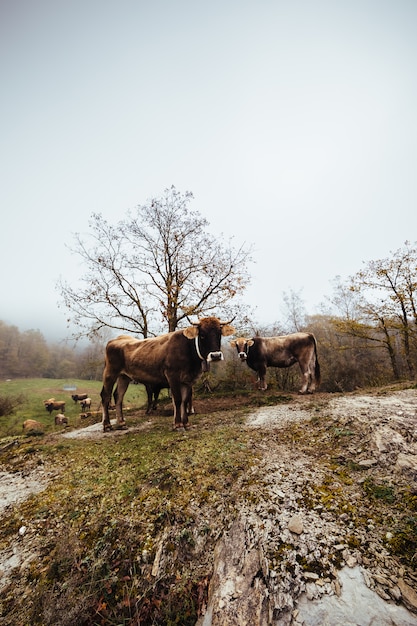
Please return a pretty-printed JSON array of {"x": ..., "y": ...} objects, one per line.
[{"x": 31, "y": 393}]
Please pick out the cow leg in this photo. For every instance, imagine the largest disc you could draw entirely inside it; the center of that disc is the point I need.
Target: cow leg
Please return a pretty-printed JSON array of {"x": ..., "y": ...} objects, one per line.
[
  {"x": 176, "y": 403},
  {"x": 261, "y": 378},
  {"x": 181, "y": 400},
  {"x": 305, "y": 376},
  {"x": 312, "y": 379},
  {"x": 153, "y": 395},
  {"x": 189, "y": 407},
  {"x": 149, "y": 393},
  {"x": 123, "y": 383},
  {"x": 186, "y": 405},
  {"x": 106, "y": 391},
  {"x": 155, "y": 398}
]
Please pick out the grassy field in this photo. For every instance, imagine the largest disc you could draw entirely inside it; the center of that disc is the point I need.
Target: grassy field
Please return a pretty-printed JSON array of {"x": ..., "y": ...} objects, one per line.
[{"x": 33, "y": 392}]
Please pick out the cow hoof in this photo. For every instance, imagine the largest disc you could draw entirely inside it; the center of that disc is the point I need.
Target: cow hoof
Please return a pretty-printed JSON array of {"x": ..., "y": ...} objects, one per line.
[
  {"x": 121, "y": 426},
  {"x": 178, "y": 427},
  {"x": 107, "y": 429}
]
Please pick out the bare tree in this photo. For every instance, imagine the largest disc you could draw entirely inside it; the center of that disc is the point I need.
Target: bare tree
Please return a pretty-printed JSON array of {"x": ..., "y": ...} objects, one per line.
[
  {"x": 391, "y": 286},
  {"x": 153, "y": 269},
  {"x": 294, "y": 310},
  {"x": 378, "y": 304}
]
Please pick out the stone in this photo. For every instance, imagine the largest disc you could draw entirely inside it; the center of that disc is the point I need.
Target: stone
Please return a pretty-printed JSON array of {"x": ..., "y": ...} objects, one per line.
[
  {"x": 348, "y": 607},
  {"x": 408, "y": 594},
  {"x": 395, "y": 593},
  {"x": 368, "y": 462},
  {"x": 387, "y": 439},
  {"x": 295, "y": 525},
  {"x": 382, "y": 580},
  {"x": 406, "y": 461},
  {"x": 312, "y": 591}
]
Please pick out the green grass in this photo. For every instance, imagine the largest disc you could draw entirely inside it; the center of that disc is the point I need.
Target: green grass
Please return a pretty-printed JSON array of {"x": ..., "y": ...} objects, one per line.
[{"x": 34, "y": 391}]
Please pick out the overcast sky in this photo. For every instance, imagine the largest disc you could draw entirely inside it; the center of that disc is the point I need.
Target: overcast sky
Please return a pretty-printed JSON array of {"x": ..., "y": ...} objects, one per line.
[{"x": 293, "y": 122}]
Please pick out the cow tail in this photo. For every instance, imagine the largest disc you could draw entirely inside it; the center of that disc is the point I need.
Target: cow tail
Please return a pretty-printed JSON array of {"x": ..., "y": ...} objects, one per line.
[{"x": 317, "y": 364}]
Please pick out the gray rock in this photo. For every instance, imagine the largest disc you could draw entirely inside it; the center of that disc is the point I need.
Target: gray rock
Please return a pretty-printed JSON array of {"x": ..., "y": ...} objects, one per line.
[
  {"x": 356, "y": 605},
  {"x": 408, "y": 594},
  {"x": 295, "y": 525}
]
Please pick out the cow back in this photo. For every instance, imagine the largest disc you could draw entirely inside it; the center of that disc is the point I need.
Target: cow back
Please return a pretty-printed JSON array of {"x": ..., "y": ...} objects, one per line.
[
  {"x": 153, "y": 360},
  {"x": 281, "y": 351}
]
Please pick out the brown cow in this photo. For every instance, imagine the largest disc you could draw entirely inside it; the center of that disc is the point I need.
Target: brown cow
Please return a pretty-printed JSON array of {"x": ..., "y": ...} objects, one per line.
[
  {"x": 29, "y": 425},
  {"x": 79, "y": 396},
  {"x": 85, "y": 404},
  {"x": 54, "y": 406},
  {"x": 61, "y": 420},
  {"x": 173, "y": 360},
  {"x": 262, "y": 352}
]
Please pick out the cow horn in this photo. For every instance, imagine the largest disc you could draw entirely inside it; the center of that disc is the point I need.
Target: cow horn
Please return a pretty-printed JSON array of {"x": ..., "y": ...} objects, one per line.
[
  {"x": 191, "y": 321},
  {"x": 226, "y": 323}
]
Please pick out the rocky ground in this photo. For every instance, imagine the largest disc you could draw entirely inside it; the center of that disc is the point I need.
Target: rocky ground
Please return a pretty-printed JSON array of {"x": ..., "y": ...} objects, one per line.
[
  {"x": 286, "y": 561},
  {"x": 303, "y": 549}
]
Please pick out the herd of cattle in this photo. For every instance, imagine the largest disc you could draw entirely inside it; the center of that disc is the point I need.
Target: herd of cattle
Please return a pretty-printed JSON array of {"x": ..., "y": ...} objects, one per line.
[
  {"x": 60, "y": 418},
  {"x": 176, "y": 360}
]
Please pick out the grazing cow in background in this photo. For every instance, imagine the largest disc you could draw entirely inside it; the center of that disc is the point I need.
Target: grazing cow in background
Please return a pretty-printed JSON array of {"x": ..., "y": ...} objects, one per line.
[
  {"x": 173, "y": 360},
  {"x": 61, "y": 420},
  {"x": 152, "y": 392},
  {"x": 85, "y": 404},
  {"x": 262, "y": 352},
  {"x": 54, "y": 406},
  {"x": 79, "y": 396},
  {"x": 32, "y": 425}
]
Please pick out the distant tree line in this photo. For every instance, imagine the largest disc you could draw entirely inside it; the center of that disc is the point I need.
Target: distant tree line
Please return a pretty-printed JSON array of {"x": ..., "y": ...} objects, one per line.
[{"x": 26, "y": 354}]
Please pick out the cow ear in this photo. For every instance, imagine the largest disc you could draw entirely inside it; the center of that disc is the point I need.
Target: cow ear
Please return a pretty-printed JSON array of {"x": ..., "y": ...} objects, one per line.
[
  {"x": 233, "y": 343},
  {"x": 191, "y": 332},
  {"x": 250, "y": 342},
  {"x": 227, "y": 330}
]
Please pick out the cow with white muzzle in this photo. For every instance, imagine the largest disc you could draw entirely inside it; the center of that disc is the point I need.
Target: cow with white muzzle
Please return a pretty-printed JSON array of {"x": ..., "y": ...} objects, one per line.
[
  {"x": 262, "y": 352},
  {"x": 173, "y": 360}
]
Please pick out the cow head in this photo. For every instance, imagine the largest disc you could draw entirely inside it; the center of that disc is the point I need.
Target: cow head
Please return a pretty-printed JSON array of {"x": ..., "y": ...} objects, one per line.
[
  {"x": 242, "y": 346},
  {"x": 208, "y": 333}
]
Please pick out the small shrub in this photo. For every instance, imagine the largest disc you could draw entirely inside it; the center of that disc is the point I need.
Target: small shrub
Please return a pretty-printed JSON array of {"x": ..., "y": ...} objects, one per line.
[
  {"x": 404, "y": 542},
  {"x": 9, "y": 403},
  {"x": 379, "y": 491}
]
